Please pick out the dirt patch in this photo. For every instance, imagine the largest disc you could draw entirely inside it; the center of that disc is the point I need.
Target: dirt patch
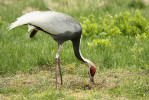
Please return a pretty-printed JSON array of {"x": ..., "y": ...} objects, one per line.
[
  {"x": 78, "y": 82},
  {"x": 70, "y": 81},
  {"x": 26, "y": 80}
]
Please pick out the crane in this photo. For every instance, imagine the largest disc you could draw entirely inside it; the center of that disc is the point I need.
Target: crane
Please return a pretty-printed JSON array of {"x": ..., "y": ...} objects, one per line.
[{"x": 62, "y": 28}]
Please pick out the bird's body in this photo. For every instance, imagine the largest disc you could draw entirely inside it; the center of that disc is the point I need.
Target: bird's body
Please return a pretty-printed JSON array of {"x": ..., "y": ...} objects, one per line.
[
  {"x": 51, "y": 22},
  {"x": 60, "y": 26}
]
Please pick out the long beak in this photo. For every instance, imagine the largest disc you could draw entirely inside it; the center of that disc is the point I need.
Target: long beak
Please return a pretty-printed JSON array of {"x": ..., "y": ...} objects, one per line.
[{"x": 92, "y": 79}]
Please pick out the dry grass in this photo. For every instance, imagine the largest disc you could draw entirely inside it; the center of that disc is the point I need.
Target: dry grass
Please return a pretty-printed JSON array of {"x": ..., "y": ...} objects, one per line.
[
  {"x": 74, "y": 84},
  {"x": 7, "y": 2},
  {"x": 103, "y": 3},
  {"x": 72, "y": 5},
  {"x": 146, "y": 2},
  {"x": 45, "y": 78},
  {"x": 29, "y": 9}
]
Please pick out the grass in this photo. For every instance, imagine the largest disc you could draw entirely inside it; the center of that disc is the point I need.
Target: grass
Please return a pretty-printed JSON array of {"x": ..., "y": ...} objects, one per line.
[
  {"x": 109, "y": 84},
  {"x": 26, "y": 65}
]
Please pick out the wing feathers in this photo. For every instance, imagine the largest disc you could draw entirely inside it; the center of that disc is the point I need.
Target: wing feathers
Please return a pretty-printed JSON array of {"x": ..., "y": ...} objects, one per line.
[
  {"x": 33, "y": 33},
  {"x": 49, "y": 21},
  {"x": 28, "y": 18}
]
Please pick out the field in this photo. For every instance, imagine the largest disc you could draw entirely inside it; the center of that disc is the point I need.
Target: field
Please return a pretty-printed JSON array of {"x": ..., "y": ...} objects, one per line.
[{"x": 115, "y": 38}]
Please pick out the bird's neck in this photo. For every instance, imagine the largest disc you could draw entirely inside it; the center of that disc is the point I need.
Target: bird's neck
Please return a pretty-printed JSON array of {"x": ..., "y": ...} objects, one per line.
[{"x": 76, "y": 47}]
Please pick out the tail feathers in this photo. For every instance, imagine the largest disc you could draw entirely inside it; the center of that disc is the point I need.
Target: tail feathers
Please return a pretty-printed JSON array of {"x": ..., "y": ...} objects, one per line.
[
  {"x": 15, "y": 24},
  {"x": 25, "y": 19}
]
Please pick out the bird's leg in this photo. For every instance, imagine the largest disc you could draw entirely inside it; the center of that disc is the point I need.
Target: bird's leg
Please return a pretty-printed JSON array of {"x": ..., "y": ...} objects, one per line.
[{"x": 57, "y": 62}]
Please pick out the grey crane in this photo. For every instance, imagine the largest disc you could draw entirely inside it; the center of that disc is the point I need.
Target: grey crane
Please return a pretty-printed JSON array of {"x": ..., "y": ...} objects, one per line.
[{"x": 61, "y": 27}]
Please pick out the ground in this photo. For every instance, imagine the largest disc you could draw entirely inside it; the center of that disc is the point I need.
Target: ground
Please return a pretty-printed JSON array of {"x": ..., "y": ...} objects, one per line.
[{"x": 114, "y": 83}]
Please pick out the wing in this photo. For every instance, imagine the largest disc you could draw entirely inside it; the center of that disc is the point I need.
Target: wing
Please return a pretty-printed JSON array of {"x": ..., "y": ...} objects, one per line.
[{"x": 49, "y": 21}]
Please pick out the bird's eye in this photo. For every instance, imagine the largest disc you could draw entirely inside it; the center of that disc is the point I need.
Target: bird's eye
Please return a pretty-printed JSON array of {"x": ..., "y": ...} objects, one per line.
[{"x": 92, "y": 69}]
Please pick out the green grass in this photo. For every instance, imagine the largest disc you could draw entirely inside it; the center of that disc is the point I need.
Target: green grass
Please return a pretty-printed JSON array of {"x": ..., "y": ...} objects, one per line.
[{"x": 27, "y": 65}]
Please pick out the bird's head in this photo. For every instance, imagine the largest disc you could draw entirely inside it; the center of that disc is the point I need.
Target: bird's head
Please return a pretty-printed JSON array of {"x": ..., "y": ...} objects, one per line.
[{"x": 92, "y": 70}]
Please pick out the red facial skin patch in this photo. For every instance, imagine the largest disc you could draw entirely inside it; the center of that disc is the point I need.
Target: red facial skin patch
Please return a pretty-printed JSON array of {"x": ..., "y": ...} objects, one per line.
[{"x": 92, "y": 70}]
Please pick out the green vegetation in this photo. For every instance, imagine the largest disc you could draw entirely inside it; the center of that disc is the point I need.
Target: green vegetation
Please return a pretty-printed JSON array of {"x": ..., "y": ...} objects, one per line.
[
  {"x": 115, "y": 38},
  {"x": 121, "y": 24}
]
